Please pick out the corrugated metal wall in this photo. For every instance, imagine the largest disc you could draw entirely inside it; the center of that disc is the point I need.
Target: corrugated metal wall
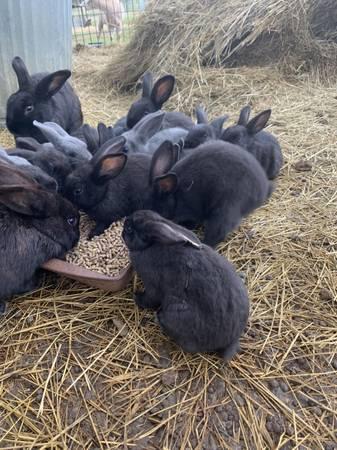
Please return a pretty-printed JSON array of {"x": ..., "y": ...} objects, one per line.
[{"x": 37, "y": 30}]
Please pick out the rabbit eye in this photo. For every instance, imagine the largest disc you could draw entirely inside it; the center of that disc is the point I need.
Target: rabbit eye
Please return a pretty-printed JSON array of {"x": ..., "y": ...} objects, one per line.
[
  {"x": 128, "y": 228},
  {"x": 78, "y": 191},
  {"x": 72, "y": 221},
  {"x": 29, "y": 109}
]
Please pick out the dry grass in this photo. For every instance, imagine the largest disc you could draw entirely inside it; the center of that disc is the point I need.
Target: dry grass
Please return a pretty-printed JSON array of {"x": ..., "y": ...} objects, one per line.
[
  {"x": 298, "y": 36},
  {"x": 84, "y": 369}
]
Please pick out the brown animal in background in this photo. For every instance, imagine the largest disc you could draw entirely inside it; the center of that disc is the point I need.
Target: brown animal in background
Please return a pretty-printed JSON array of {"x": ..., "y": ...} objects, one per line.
[{"x": 112, "y": 15}]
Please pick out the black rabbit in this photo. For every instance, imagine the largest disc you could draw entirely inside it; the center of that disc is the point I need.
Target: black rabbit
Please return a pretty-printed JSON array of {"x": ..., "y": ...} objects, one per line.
[
  {"x": 45, "y": 156},
  {"x": 263, "y": 145},
  {"x": 36, "y": 225},
  {"x": 216, "y": 185},
  {"x": 97, "y": 137},
  {"x": 39, "y": 175},
  {"x": 43, "y": 97},
  {"x": 152, "y": 100},
  {"x": 204, "y": 130},
  {"x": 111, "y": 185},
  {"x": 201, "y": 302}
]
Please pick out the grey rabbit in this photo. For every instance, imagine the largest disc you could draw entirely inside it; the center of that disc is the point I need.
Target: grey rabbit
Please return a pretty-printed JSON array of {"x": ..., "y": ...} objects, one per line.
[
  {"x": 69, "y": 145},
  {"x": 47, "y": 158},
  {"x": 36, "y": 225},
  {"x": 29, "y": 169},
  {"x": 204, "y": 130},
  {"x": 111, "y": 185},
  {"x": 147, "y": 135},
  {"x": 264, "y": 146},
  {"x": 215, "y": 186},
  {"x": 152, "y": 100},
  {"x": 201, "y": 302},
  {"x": 43, "y": 97}
]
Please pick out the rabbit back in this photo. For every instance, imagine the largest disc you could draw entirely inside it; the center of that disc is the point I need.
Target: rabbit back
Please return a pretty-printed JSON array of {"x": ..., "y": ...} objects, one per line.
[
  {"x": 217, "y": 185},
  {"x": 204, "y": 304}
]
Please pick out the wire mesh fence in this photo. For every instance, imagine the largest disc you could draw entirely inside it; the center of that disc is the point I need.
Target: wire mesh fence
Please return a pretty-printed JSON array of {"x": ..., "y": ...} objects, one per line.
[{"x": 98, "y": 23}]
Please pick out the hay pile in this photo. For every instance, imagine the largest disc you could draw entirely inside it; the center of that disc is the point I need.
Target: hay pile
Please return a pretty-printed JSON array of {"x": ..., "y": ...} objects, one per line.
[
  {"x": 297, "y": 35},
  {"x": 84, "y": 369}
]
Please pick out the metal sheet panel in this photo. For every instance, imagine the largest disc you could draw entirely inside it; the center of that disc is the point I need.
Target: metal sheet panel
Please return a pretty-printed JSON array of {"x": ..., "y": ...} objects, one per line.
[{"x": 37, "y": 30}]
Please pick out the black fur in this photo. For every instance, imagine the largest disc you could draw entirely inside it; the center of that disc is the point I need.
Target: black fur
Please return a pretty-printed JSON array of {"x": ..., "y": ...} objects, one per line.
[
  {"x": 35, "y": 226},
  {"x": 263, "y": 145},
  {"x": 204, "y": 130},
  {"x": 152, "y": 100},
  {"x": 45, "y": 156},
  {"x": 111, "y": 195},
  {"x": 216, "y": 185},
  {"x": 43, "y": 97},
  {"x": 201, "y": 302}
]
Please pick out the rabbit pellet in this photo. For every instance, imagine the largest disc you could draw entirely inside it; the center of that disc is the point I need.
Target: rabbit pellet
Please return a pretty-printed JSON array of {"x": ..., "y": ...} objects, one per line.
[{"x": 106, "y": 254}]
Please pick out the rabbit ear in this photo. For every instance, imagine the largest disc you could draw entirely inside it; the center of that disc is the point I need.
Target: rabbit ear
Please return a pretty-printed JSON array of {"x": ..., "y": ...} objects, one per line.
[
  {"x": 259, "y": 122},
  {"x": 12, "y": 175},
  {"x": 163, "y": 159},
  {"x": 149, "y": 125},
  {"x": 50, "y": 133},
  {"x": 51, "y": 84},
  {"x": 113, "y": 145},
  {"x": 168, "y": 235},
  {"x": 91, "y": 136},
  {"x": 27, "y": 200},
  {"x": 244, "y": 115},
  {"x": 109, "y": 166},
  {"x": 28, "y": 143},
  {"x": 218, "y": 123},
  {"x": 162, "y": 90},
  {"x": 166, "y": 184},
  {"x": 147, "y": 84},
  {"x": 201, "y": 114},
  {"x": 24, "y": 79},
  {"x": 54, "y": 126}
]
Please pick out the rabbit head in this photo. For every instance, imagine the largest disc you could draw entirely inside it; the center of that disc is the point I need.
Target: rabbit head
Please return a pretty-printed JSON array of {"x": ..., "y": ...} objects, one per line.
[
  {"x": 25, "y": 166},
  {"x": 145, "y": 228},
  {"x": 47, "y": 212},
  {"x": 153, "y": 97},
  {"x": 69, "y": 145},
  {"x": 31, "y": 101},
  {"x": 244, "y": 132},
  {"x": 166, "y": 185},
  {"x": 46, "y": 157},
  {"x": 86, "y": 186},
  {"x": 203, "y": 130},
  {"x": 142, "y": 132}
]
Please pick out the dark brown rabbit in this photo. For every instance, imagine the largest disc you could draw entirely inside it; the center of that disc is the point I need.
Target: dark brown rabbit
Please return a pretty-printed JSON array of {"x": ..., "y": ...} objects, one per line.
[
  {"x": 36, "y": 225},
  {"x": 216, "y": 185},
  {"x": 201, "y": 302}
]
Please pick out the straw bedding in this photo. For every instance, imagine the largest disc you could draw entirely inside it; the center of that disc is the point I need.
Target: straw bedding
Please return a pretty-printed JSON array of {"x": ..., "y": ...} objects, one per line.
[
  {"x": 84, "y": 369},
  {"x": 298, "y": 36}
]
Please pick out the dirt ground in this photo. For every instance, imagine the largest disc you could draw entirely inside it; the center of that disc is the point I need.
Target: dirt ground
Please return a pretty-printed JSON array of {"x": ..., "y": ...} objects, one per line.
[{"x": 84, "y": 369}]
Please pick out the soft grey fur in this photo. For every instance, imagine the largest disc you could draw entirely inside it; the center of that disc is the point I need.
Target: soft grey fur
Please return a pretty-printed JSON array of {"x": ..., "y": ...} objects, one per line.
[
  {"x": 216, "y": 185},
  {"x": 201, "y": 302}
]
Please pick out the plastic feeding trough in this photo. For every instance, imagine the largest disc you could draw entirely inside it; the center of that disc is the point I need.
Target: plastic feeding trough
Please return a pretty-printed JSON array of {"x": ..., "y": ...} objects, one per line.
[{"x": 91, "y": 278}]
